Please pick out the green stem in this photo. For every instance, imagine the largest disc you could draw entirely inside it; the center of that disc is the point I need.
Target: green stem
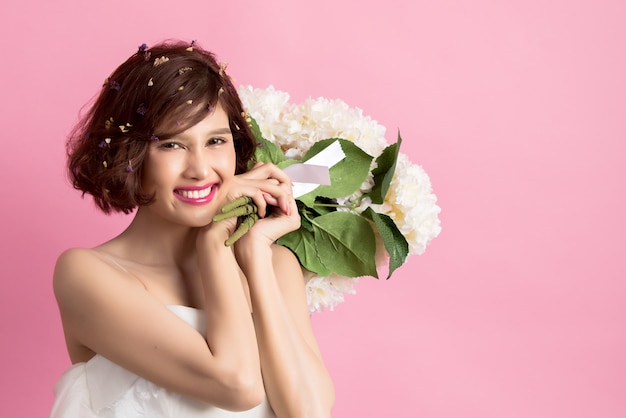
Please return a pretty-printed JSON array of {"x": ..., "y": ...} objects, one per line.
[{"x": 334, "y": 205}]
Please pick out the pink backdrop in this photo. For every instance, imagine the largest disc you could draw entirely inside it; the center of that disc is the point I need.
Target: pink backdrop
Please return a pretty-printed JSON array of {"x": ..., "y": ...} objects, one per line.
[{"x": 515, "y": 108}]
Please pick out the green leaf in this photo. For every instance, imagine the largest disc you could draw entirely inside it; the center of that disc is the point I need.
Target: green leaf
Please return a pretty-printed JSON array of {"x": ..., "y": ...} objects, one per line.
[
  {"x": 346, "y": 244},
  {"x": 383, "y": 173},
  {"x": 302, "y": 243},
  {"x": 323, "y": 205},
  {"x": 266, "y": 151},
  {"x": 346, "y": 176},
  {"x": 286, "y": 163},
  {"x": 396, "y": 245}
]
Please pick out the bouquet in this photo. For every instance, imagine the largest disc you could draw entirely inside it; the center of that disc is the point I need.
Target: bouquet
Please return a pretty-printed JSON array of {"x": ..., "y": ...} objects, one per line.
[{"x": 378, "y": 209}]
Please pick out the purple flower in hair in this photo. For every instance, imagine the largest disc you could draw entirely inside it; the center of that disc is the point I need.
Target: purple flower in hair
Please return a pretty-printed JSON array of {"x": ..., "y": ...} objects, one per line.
[
  {"x": 143, "y": 48},
  {"x": 114, "y": 85},
  {"x": 154, "y": 138},
  {"x": 142, "y": 109}
]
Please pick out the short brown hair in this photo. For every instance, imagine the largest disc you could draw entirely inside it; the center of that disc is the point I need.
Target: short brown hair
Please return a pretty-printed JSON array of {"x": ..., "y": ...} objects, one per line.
[{"x": 157, "y": 93}]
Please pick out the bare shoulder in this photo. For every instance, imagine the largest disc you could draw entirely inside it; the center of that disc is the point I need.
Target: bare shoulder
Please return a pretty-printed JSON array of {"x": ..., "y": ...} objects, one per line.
[
  {"x": 286, "y": 265},
  {"x": 70, "y": 268},
  {"x": 82, "y": 274}
]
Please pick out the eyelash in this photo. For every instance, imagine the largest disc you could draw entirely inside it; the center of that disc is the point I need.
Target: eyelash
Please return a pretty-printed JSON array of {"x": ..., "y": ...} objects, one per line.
[{"x": 210, "y": 142}]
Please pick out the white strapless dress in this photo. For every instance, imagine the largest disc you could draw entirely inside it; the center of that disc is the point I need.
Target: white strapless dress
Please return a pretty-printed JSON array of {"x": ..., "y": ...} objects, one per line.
[{"x": 100, "y": 388}]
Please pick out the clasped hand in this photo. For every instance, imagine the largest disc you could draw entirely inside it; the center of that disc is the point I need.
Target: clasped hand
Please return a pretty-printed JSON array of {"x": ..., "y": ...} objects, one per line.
[{"x": 260, "y": 198}]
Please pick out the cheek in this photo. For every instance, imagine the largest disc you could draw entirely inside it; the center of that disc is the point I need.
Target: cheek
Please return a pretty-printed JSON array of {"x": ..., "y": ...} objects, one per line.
[
  {"x": 228, "y": 163},
  {"x": 155, "y": 171}
]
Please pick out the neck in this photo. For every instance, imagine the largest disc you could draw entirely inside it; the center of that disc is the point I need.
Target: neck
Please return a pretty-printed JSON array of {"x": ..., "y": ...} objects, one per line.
[{"x": 153, "y": 241}]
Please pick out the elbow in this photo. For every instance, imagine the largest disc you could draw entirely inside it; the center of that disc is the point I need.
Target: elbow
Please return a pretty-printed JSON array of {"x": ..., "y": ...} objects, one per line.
[
  {"x": 241, "y": 391},
  {"x": 248, "y": 392}
]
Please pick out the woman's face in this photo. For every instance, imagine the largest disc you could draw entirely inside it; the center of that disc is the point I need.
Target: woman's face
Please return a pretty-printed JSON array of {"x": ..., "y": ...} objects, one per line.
[{"x": 185, "y": 173}]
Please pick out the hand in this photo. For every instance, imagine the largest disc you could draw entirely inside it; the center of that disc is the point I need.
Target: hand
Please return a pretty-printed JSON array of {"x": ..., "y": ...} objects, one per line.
[{"x": 253, "y": 191}]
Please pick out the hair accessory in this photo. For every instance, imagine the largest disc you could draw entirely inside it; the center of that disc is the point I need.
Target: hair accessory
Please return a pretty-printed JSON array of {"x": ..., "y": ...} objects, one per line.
[
  {"x": 154, "y": 138},
  {"x": 104, "y": 163},
  {"x": 223, "y": 66},
  {"x": 124, "y": 128},
  {"x": 190, "y": 48},
  {"x": 142, "y": 48},
  {"x": 189, "y": 101},
  {"x": 236, "y": 126},
  {"x": 181, "y": 88},
  {"x": 129, "y": 167},
  {"x": 220, "y": 91},
  {"x": 104, "y": 143},
  {"x": 159, "y": 61},
  {"x": 150, "y": 83},
  {"x": 114, "y": 85},
  {"x": 142, "y": 109},
  {"x": 184, "y": 70},
  {"x": 108, "y": 123}
]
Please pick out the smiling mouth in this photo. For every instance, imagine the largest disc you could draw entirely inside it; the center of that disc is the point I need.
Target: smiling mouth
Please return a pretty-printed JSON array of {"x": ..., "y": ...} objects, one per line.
[{"x": 195, "y": 194}]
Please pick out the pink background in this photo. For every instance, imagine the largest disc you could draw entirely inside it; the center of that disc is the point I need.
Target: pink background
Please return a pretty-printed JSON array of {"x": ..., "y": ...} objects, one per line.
[{"x": 517, "y": 111}]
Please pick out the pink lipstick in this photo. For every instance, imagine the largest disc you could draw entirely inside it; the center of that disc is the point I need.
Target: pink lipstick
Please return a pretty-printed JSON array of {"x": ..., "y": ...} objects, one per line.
[{"x": 196, "y": 195}]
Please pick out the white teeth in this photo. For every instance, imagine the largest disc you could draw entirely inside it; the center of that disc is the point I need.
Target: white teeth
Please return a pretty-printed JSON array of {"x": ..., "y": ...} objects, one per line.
[{"x": 195, "y": 194}]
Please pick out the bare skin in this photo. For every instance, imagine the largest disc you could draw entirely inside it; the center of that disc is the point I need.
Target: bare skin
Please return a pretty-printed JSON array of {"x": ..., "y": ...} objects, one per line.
[{"x": 113, "y": 298}]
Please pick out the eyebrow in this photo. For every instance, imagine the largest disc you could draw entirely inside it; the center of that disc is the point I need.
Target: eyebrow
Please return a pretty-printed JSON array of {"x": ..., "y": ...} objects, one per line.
[
  {"x": 218, "y": 131},
  {"x": 221, "y": 131}
]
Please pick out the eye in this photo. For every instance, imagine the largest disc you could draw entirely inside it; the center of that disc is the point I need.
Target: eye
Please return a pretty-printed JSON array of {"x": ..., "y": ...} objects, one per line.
[
  {"x": 169, "y": 145},
  {"x": 216, "y": 141}
]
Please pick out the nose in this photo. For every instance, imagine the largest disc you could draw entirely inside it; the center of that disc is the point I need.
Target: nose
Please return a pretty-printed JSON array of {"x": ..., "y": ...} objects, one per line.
[{"x": 198, "y": 166}]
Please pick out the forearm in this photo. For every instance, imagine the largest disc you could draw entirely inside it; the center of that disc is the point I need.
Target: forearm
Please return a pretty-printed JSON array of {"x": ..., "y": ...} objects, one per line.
[
  {"x": 230, "y": 330},
  {"x": 295, "y": 377}
]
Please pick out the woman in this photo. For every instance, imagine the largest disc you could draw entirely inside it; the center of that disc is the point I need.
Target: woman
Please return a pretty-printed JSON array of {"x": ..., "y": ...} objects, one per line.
[{"x": 165, "y": 319}]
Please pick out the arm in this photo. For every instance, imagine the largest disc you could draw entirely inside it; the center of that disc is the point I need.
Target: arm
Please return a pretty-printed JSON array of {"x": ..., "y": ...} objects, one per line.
[
  {"x": 296, "y": 379},
  {"x": 111, "y": 313}
]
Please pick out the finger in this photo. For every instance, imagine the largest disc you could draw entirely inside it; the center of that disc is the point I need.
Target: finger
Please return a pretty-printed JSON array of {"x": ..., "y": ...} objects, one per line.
[
  {"x": 269, "y": 171},
  {"x": 285, "y": 202},
  {"x": 269, "y": 199}
]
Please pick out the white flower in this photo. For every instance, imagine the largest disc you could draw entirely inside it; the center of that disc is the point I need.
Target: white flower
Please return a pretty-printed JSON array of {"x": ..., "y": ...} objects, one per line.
[
  {"x": 327, "y": 292},
  {"x": 266, "y": 106},
  {"x": 410, "y": 201},
  {"x": 412, "y": 205}
]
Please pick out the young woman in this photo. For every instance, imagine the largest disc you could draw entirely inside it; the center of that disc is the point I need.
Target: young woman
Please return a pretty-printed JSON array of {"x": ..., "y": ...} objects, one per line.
[{"x": 165, "y": 320}]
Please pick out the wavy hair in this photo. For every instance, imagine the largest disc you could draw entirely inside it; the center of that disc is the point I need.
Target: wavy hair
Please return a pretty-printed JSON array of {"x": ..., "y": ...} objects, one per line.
[{"x": 155, "y": 94}]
